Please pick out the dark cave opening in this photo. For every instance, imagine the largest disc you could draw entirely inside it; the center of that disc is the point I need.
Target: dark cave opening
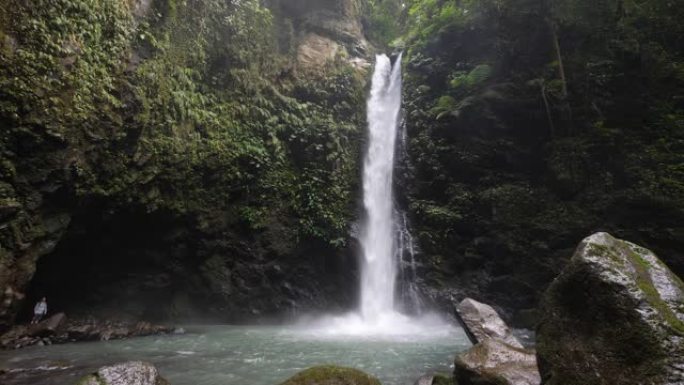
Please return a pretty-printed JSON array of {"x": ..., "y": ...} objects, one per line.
[
  {"x": 134, "y": 265},
  {"x": 113, "y": 265}
]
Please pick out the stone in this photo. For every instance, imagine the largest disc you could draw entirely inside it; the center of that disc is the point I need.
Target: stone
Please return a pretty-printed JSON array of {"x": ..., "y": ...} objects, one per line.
[
  {"x": 360, "y": 64},
  {"x": 495, "y": 362},
  {"x": 57, "y": 329},
  {"x": 343, "y": 29},
  {"x": 615, "y": 315},
  {"x": 82, "y": 332},
  {"x": 127, "y": 373},
  {"x": 425, "y": 380},
  {"x": 48, "y": 326},
  {"x": 442, "y": 379},
  {"x": 316, "y": 51},
  {"x": 331, "y": 375},
  {"x": 484, "y": 322}
]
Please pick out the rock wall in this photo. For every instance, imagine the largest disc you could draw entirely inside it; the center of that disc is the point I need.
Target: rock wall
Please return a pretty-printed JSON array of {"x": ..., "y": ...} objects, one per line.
[
  {"x": 178, "y": 138},
  {"x": 527, "y": 129}
]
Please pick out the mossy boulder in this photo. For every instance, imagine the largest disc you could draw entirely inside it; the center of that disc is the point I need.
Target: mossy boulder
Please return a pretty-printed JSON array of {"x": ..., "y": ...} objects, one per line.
[
  {"x": 127, "y": 373},
  {"x": 443, "y": 379},
  {"x": 614, "y": 316},
  {"x": 436, "y": 379},
  {"x": 331, "y": 375}
]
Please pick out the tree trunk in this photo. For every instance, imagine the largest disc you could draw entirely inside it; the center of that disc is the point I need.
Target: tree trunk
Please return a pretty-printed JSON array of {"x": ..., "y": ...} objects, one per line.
[
  {"x": 559, "y": 59},
  {"x": 552, "y": 128}
]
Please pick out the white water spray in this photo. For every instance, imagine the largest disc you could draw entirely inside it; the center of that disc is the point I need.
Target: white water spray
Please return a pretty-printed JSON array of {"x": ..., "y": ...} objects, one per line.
[
  {"x": 379, "y": 269},
  {"x": 383, "y": 241}
]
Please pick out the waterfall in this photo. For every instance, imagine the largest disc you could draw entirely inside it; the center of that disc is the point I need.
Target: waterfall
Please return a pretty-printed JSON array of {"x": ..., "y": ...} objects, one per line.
[
  {"x": 379, "y": 267},
  {"x": 388, "y": 250},
  {"x": 406, "y": 255}
]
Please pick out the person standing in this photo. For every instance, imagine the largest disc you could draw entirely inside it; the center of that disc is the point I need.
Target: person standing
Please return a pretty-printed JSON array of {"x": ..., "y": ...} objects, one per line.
[{"x": 39, "y": 311}]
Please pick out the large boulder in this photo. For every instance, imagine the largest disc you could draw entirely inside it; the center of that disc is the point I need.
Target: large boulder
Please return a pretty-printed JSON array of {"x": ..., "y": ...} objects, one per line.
[
  {"x": 615, "y": 315},
  {"x": 49, "y": 326},
  {"x": 495, "y": 362},
  {"x": 26, "y": 335},
  {"x": 127, "y": 373},
  {"x": 497, "y": 358},
  {"x": 484, "y": 322},
  {"x": 331, "y": 375}
]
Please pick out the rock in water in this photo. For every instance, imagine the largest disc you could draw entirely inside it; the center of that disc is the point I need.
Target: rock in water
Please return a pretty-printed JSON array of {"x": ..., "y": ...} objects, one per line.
[
  {"x": 498, "y": 358},
  {"x": 425, "y": 380},
  {"x": 331, "y": 375},
  {"x": 614, "y": 316},
  {"x": 127, "y": 373},
  {"x": 494, "y": 362},
  {"x": 484, "y": 322}
]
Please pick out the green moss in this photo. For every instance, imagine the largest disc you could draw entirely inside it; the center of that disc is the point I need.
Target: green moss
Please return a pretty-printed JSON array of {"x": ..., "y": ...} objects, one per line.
[
  {"x": 643, "y": 278},
  {"x": 185, "y": 109},
  {"x": 91, "y": 380},
  {"x": 444, "y": 379},
  {"x": 644, "y": 282},
  {"x": 606, "y": 252},
  {"x": 331, "y": 375}
]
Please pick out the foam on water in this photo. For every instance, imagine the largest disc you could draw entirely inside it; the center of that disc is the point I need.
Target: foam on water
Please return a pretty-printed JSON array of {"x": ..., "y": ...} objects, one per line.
[{"x": 392, "y": 326}]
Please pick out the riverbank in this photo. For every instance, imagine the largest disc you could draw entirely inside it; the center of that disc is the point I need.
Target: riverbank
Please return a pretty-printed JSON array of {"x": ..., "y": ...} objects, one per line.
[{"x": 58, "y": 329}]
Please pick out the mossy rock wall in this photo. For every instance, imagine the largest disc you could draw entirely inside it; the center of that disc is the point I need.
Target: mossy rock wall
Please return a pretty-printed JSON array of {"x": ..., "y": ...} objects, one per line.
[
  {"x": 187, "y": 110},
  {"x": 532, "y": 124}
]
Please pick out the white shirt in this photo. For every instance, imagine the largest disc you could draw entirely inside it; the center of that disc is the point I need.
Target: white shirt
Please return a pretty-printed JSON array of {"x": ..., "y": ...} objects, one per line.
[{"x": 41, "y": 308}]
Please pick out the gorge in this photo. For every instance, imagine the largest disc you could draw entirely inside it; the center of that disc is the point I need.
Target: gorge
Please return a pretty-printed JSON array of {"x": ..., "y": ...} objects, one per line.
[{"x": 202, "y": 162}]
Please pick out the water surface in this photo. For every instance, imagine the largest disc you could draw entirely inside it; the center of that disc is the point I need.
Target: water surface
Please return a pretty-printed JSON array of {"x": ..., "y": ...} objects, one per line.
[{"x": 245, "y": 355}]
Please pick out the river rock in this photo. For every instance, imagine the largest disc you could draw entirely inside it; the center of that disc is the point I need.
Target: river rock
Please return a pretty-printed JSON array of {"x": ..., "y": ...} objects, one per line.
[
  {"x": 425, "y": 380},
  {"x": 484, "y": 322},
  {"x": 127, "y": 373},
  {"x": 49, "y": 326},
  {"x": 435, "y": 379},
  {"x": 495, "y": 362},
  {"x": 497, "y": 358},
  {"x": 615, "y": 315},
  {"x": 331, "y": 375},
  {"x": 57, "y": 329}
]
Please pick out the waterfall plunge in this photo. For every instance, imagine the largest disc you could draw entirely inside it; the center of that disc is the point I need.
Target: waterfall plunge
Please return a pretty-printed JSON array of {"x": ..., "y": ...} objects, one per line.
[
  {"x": 377, "y": 315},
  {"x": 379, "y": 268}
]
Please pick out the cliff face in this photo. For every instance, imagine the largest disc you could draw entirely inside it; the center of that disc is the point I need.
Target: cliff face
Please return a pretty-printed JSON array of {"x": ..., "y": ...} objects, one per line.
[
  {"x": 532, "y": 125},
  {"x": 201, "y": 156}
]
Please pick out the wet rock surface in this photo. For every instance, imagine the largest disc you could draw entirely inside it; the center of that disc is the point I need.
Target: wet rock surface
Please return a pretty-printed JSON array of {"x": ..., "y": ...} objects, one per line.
[
  {"x": 57, "y": 329},
  {"x": 614, "y": 316},
  {"x": 331, "y": 375},
  {"x": 497, "y": 358},
  {"x": 496, "y": 362},
  {"x": 484, "y": 322},
  {"x": 128, "y": 373},
  {"x": 436, "y": 379},
  {"x": 425, "y": 380},
  {"x": 108, "y": 219}
]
